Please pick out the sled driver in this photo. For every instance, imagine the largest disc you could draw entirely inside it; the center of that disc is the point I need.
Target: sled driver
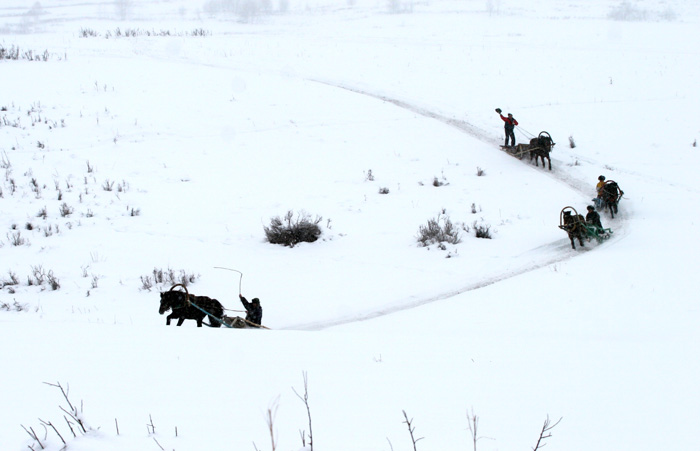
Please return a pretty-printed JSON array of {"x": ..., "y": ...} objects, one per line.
[
  {"x": 253, "y": 311},
  {"x": 599, "y": 190},
  {"x": 593, "y": 218},
  {"x": 509, "y": 126}
]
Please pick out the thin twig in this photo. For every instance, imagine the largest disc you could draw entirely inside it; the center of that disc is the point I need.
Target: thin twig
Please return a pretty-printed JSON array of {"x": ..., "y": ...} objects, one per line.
[
  {"x": 69, "y": 426},
  {"x": 154, "y": 439},
  {"x": 152, "y": 427},
  {"x": 305, "y": 399},
  {"x": 473, "y": 423},
  {"x": 54, "y": 429},
  {"x": 77, "y": 420},
  {"x": 270, "y": 420},
  {"x": 411, "y": 428},
  {"x": 545, "y": 433},
  {"x": 33, "y": 435}
]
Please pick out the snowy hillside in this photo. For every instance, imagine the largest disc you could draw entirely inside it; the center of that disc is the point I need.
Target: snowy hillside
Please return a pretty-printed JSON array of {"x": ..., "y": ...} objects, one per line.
[{"x": 140, "y": 138}]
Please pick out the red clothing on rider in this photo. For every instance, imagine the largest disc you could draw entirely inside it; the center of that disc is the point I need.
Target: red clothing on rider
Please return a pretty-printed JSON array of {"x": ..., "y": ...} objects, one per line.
[{"x": 509, "y": 120}]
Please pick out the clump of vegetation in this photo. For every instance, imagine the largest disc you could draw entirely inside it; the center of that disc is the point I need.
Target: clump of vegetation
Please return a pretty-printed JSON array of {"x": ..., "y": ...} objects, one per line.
[
  {"x": 627, "y": 12},
  {"x": 480, "y": 172},
  {"x": 40, "y": 277},
  {"x": 137, "y": 32},
  {"x": 572, "y": 143},
  {"x": 16, "y": 239},
  {"x": 290, "y": 231},
  {"x": 482, "y": 230},
  {"x": 437, "y": 231},
  {"x": 14, "y": 307},
  {"x": 437, "y": 182},
  {"x": 65, "y": 210},
  {"x": 167, "y": 277},
  {"x": 383, "y": 190},
  {"x": 15, "y": 53}
]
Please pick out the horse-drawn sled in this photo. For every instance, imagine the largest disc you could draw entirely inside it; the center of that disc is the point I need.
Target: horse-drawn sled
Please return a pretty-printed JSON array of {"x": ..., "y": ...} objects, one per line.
[
  {"x": 576, "y": 227},
  {"x": 610, "y": 195},
  {"x": 538, "y": 148},
  {"x": 184, "y": 305}
]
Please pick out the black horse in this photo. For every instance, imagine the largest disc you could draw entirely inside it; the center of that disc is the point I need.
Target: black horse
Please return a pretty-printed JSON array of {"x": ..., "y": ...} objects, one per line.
[
  {"x": 611, "y": 195},
  {"x": 574, "y": 227},
  {"x": 188, "y": 306},
  {"x": 540, "y": 147}
]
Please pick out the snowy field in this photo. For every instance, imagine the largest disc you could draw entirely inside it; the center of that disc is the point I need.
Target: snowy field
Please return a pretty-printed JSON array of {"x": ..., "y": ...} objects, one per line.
[{"x": 140, "y": 136}]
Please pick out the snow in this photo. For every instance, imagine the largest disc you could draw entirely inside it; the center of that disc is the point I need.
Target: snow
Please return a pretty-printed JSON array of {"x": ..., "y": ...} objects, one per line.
[{"x": 203, "y": 139}]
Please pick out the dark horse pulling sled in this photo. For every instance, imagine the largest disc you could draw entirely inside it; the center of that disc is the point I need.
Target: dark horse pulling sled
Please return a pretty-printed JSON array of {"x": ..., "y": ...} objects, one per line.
[
  {"x": 188, "y": 306},
  {"x": 538, "y": 148},
  {"x": 610, "y": 196},
  {"x": 577, "y": 228}
]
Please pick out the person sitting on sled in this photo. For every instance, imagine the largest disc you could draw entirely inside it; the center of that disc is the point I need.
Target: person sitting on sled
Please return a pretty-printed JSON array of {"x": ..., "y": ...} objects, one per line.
[
  {"x": 593, "y": 218},
  {"x": 253, "y": 311},
  {"x": 509, "y": 126},
  {"x": 599, "y": 189}
]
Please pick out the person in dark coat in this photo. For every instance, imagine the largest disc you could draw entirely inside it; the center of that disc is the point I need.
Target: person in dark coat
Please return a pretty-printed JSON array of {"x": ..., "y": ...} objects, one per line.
[
  {"x": 593, "y": 218},
  {"x": 253, "y": 310},
  {"x": 509, "y": 126}
]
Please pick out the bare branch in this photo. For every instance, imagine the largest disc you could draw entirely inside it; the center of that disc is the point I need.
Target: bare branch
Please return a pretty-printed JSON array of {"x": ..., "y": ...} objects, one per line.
[
  {"x": 77, "y": 420},
  {"x": 69, "y": 426},
  {"x": 545, "y": 433},
  {"x": 411, "y": 428},
  {"x": 150, "y": 426},
  {"x": 473, "y": 424},
  {"x": 45, "y": 423},
  {"x": 33, "y": 435},
  {"x": 305, "y": 399},
  {"x": 154, "y": 439},
  {"x": 270, "y": 420}
]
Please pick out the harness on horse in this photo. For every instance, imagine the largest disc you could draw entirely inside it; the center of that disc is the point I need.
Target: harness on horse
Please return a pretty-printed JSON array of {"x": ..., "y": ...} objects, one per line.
[
  {"x": 231, "y": 323},
  {"x": 188, "y": 303}
]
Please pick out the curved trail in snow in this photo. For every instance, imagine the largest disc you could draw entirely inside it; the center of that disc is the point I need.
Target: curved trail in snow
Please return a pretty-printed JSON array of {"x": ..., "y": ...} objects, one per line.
[{"x": 483, "y": 136}]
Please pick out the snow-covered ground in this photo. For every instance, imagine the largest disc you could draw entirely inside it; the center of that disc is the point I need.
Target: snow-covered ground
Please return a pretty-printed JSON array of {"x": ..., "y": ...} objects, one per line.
[{"x": 121, "y": 155}]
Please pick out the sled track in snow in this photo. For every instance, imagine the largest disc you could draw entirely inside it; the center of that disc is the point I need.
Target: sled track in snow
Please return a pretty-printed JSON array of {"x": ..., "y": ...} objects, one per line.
[{"x": 483, "y": 136}]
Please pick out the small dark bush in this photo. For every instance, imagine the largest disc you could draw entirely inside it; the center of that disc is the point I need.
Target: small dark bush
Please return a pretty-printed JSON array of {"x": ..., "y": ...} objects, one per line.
[
  {"x": 289, "y": 231},
  {"x": 12, "y": 280},
  {"x": 65, "y": 210},
  {"x": 482, "y": 230},
  {"x": 437, "y": 231},
  {"x": 572, "y": 143},
  {"x": 15, "y": 307},
  {"x": 16, "y": 239},
  {"x": 53, "y": 281}
]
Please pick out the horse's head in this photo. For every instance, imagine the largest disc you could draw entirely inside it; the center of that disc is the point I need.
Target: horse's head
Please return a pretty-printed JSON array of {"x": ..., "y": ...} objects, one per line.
[
  {"x": 171, "y": 300},
  {"x": 546, "y": 142}
]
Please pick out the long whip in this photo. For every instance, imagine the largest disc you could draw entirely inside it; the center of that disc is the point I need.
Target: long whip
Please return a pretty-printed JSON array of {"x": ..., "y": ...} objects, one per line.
[{"x": 240, "y": 281}]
